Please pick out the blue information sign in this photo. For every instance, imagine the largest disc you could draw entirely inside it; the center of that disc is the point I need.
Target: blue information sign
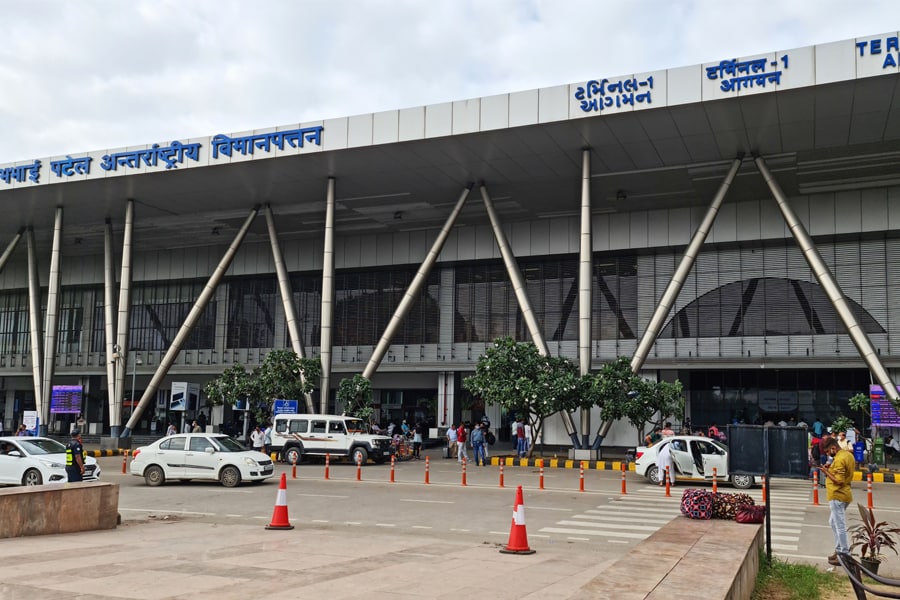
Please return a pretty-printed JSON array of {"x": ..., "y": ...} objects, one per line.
[{"x": 286, "y": 407}]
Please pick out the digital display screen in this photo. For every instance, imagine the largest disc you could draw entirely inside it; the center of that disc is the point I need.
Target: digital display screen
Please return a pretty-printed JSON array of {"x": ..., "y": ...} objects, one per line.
[
  {"x": 66, "y": 399},
  {"x": 883, "y": 412}
]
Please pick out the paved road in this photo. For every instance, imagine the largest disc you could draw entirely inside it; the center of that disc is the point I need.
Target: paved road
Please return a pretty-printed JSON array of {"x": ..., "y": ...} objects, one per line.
[{"x": 601, "y": 518}]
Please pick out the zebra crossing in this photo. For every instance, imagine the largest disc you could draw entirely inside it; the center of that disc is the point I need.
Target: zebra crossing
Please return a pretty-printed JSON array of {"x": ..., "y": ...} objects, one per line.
[{"x": 638, "y": 514}]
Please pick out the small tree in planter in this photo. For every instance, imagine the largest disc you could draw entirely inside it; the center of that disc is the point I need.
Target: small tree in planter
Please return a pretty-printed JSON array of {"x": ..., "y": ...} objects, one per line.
[
  {"x": 355, "y": 394},
  {"x": 870, "y": 536}
]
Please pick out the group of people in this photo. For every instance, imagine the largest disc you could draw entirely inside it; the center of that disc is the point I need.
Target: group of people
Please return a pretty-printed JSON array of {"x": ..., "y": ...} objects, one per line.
[
  {"x": 478, "y": 435},
  {"x": 261, "y": 438}
]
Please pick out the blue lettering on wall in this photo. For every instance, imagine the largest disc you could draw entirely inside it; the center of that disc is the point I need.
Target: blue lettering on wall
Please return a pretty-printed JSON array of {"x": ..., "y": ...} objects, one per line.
[
  {"x": 879, "y": 46},
  {"x": 734, "y": 75},
  {"x": 595, "y": 95},
  {"x": 71, "y": 166},
  {"x": 264, "y": 141},
  {"x": 174, "y": 153},
  {"x": 21, "y": 173}
]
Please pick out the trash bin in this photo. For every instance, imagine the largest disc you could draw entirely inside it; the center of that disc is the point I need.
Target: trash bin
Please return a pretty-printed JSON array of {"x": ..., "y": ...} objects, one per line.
[
  {"x": 859, "y": 452},
  {"x": 878, "y": 451}
]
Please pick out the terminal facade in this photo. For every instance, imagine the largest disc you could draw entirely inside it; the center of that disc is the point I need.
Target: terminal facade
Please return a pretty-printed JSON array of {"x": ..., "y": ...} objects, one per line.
[{"x": 732, "y": 225}]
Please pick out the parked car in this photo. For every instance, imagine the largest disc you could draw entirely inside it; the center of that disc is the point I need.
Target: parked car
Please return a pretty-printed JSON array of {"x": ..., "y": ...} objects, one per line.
[
  {"x": 200, "y": 456},
  {"x": 38, "y": 460},
  {"x": 694, "y": 458},
  {"x": 295, "y": 436}
]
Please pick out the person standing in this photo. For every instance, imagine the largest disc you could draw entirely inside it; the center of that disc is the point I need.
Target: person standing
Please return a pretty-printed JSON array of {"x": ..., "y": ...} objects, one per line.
[
  {"x": 838, "y": 475},
  {"x": 664, "y": 461},
  {"x": 267, "y": 439},
  {"x": 478, "y": 444},
  {"x": 451, "y": 441},
  {"x": 75, "y": 458},
  {"x": 170, "y": 430},
  {"x": 818, "y": 427},
  {"x": 521, "y": 443},
  {"x": 667, "y": 431},
  {"x": 195, "y": 427},
  {"x": 461, "y": 443},
  {"x": 257, "y": 439},
  {"x": 418, "y": 437}
]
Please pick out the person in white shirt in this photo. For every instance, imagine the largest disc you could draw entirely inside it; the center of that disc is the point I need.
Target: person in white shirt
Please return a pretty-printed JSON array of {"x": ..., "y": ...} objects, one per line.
[{"x": 451, "y": 441}]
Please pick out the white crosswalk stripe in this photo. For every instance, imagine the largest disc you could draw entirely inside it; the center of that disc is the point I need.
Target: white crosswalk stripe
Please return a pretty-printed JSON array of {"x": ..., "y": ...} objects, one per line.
[{"x": 643, "y": 511}]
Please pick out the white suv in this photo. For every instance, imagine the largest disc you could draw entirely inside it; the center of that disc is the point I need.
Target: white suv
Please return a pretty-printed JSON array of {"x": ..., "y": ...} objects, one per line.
[{"x": 294, "y": 436}]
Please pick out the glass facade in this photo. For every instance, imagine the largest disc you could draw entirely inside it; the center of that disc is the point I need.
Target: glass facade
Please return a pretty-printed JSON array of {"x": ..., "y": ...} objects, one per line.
[
  {"x": 754, "y": 396},
  {"x": 158, "y": 311}
]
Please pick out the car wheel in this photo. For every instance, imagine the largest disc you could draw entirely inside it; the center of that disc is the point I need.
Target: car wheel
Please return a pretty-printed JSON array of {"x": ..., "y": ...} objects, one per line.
[
  {"x": 230, "y": 476},
  {"x": 292, "y": 455},
  {"x": 653, "y": 474},
  {"x": 32, "y": 477},
  {"x": 359, "y": 455},
  {"x": 154, "y": 476},
  {"x": 742, "y": 482}
]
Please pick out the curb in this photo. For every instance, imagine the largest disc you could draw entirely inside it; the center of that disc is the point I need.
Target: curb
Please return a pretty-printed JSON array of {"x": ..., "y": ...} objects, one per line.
[
  {"x": 99, "y": 453},
  {"x": 561, "y": 463}
]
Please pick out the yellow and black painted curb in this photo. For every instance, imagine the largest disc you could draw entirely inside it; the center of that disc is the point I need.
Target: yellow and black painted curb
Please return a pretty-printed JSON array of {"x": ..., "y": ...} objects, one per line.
[
  {"x": 561, "y": 463},
  {"x": 99, "y": 453}
]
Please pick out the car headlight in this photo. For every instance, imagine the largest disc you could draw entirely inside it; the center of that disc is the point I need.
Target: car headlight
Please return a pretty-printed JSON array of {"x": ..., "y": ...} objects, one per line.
[
  {"x": 250, "y": 462},
  {"x": 53, "y": 465}
]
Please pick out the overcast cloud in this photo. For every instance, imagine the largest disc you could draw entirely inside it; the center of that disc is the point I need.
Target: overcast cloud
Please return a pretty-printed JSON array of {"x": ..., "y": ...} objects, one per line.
[{"x": 97, "y": 74}]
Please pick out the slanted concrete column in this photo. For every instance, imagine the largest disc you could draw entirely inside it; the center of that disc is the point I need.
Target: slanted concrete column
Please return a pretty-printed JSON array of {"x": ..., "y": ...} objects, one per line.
[{"x": 327, "y": 298}]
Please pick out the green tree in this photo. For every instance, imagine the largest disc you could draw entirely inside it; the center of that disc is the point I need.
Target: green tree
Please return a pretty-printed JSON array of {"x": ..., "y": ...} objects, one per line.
[
  {"x": 861, "y": 403},
  {"x": 519, "y": 379},
  {"x": 623, "y": 395},
  {"x": 355, "y": 395},
  {"x": 283, "y": 375},
  {"x": 235, "y": 383}
]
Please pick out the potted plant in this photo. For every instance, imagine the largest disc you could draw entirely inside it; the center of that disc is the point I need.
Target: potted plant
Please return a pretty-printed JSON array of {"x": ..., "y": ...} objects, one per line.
[{"x": 870, "y": 536}]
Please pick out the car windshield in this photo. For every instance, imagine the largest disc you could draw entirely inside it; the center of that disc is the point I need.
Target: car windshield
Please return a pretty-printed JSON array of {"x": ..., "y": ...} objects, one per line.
[
  {"x": 226, "y": 444},
  {"x": 355, "y": 426},
  {"x": 42, "y": 446}
]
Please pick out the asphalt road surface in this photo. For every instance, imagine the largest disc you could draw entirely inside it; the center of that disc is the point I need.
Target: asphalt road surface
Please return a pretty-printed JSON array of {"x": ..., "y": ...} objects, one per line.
[{"x": 599, "y": 519}]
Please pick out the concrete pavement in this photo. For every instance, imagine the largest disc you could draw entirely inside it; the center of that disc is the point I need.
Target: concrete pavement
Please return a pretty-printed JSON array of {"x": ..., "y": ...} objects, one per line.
[{"x": 172, "y": 559}]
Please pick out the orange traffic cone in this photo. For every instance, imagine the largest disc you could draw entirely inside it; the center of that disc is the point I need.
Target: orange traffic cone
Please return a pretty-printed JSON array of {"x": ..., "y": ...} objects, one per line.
[
  {"x": 518, "y": 538},
  {"x": 280, "y": 516}
]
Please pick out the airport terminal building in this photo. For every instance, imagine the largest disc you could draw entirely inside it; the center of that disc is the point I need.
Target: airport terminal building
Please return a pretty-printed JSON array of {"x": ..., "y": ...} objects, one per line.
[{"x": 734, "y": 225}]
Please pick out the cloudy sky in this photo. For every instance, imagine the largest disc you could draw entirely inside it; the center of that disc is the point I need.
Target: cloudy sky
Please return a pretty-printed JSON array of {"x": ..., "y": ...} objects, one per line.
[{"x": 97, "y": 74}]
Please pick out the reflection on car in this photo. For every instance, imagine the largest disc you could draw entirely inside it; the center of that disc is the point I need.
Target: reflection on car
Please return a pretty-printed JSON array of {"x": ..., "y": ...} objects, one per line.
[
  {"x": 694, "y": 459},
  {"x": 38, "y": 460},
  {"x": 200, "y": 456}
]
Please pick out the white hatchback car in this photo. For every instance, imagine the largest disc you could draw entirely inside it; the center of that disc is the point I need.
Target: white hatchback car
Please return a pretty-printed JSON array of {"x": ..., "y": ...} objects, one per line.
[
  {"x": 36, "y": 460},
  {"x": 694, "y": 458},
  {"x": 200, "y": 456}
]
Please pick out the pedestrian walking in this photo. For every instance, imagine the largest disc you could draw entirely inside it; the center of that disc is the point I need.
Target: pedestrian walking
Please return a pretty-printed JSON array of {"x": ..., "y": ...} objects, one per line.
[
  {"x": 478, "y": 444},
  {"x": 461, "y": 443}
]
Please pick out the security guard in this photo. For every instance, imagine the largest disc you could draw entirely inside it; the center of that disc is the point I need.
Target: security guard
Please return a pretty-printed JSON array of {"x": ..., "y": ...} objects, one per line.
[{"x": 75, "y": 457}]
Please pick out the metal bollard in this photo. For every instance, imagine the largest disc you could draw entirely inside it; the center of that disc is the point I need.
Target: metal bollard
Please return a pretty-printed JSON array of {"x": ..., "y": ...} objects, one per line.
[
  {"x": 294, "y": 468},
  {"x": 124, "y": 461},
  {"x": 501, "y": 474},
  {"x": 327, "y": 464},
  {"x": 542, "y": 476},
  {"x": 358, "y": 467},
  {"x": 815, "y": 480},
  {"x": 668, "y": 483},
  {"x": 393, "y": 458},
  {"x": 623, "y": 479},
  {"x": 464, "y": 470},
  {"x": 581, "y": 478},
  {"x": 715, "y": 480},
  {"x": 427, "y": 465}
]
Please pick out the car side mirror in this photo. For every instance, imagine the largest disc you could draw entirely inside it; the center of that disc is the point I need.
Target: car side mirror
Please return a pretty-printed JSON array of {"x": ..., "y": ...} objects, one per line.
[
  {"x": 14, "y": 453},
  {"x": 210, "y": 450}
]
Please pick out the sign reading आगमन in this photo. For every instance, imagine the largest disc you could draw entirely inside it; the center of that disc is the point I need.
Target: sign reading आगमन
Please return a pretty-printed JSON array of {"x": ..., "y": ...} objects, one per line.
[
  {"x": 286, "y": 407},
  {"x": 883, "y": 412}
]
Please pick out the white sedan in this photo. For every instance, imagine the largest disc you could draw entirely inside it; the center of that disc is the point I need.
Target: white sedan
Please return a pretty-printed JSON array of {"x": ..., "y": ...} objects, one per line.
[
  {"x": 694, "y": 458},
  {"x": 200, "y": 456},
  {"x": 36, "y": 460}
]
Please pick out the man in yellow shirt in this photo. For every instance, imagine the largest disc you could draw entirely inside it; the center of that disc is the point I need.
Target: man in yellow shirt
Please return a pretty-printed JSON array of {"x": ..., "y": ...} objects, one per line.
[{"x": 838, "y": 473}]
